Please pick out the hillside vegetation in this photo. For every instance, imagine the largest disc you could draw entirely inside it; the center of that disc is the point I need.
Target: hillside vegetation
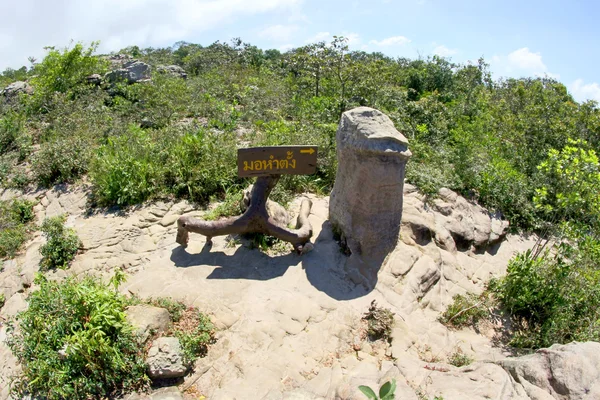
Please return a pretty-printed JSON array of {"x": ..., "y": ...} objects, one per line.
[{"x": 521, "y": 147}]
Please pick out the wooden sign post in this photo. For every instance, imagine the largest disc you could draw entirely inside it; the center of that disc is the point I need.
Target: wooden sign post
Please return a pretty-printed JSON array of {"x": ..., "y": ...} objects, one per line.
[
  {"x": 289, "y": 160},
  {"x": 267, "y": 164}
]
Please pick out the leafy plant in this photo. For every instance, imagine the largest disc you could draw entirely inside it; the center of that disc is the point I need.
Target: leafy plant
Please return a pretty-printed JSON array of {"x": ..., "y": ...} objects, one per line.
[
  {"x": 386, "y": 391},
  {"x": 74, "y": 342},
  {"x": 61, "y": 246}
]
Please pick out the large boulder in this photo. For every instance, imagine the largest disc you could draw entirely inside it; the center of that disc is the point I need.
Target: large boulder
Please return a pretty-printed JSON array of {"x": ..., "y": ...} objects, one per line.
[
  {"x": 131, "y": 72},
  {"x": 565, "y": 372},
  {"x": 15, "y": 88},
  {"x": 165, "y": 359},
  {"x": 365, "y": 207}
]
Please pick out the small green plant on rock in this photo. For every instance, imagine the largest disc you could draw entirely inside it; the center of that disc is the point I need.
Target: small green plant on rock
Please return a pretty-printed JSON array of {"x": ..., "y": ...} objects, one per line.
[
  {"x": 458, "y": 358},
  {"x": 61, "y": 246},
  {"x": 386, "y": 391},
  {"x": 379, "y": 322},
  {"x": 195, "y": 332}
]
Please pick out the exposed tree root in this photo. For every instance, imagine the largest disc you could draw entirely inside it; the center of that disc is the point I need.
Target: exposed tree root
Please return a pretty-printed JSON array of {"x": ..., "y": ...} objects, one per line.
[{"x": 254, "y": 220}]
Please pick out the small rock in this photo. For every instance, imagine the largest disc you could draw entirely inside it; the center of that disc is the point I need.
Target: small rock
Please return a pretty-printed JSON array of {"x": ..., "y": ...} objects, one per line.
[{"x": 165, "y": 359}]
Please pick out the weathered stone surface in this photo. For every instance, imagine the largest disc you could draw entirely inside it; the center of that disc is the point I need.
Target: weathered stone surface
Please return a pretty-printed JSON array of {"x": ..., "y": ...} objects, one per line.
[
  {"x": 173, "y": 70},
  {"x": 287, "y": 324},
  {"x": 366, "y": 202},
  {"x": 15, "y": 88},
  {"x": 131, "y": 72},
  {"x": 565, "y": 372},
  {"x": 165, "y": 359},
  {"x": 147, "y": 319}
]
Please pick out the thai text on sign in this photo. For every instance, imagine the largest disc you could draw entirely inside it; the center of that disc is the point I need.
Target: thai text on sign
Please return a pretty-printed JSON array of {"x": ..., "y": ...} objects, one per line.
[{"x": 276, "y": 160}]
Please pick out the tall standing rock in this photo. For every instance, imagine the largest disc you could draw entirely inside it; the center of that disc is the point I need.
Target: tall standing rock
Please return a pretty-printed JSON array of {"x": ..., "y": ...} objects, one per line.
[{"x": 365, "y": 207}]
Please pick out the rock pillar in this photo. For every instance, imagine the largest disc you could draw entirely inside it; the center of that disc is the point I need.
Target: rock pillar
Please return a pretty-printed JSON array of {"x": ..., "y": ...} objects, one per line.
[{"x": 365, "y": 206}]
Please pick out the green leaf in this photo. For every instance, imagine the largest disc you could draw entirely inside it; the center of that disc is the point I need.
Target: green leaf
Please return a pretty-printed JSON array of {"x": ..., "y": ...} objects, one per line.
[
  {"x": 367, "y": 391},
  {"x": 386, "y": 392}
]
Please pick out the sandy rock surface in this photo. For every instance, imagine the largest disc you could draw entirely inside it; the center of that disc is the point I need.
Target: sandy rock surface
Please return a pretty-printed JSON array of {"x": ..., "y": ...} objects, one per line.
[{"x": 289, "y": 325}]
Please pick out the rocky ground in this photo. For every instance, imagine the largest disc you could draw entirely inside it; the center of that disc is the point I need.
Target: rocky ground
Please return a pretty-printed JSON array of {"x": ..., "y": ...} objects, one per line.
[{"x": 290, "y": 326}]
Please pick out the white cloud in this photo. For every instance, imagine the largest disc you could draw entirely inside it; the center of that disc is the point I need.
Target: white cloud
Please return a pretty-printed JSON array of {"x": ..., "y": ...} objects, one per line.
[
  {"x": 280, "y": 33},
  {"x": 286, "y": 47},
  {"x": 391, "y": 41},
  {"x": 353, "y": 38},
  {"x": 443, "y": 51},
  {"x": 582, "y": 91},
  {"x": 319, "y": 37},
  {"x": 526, "y": 60},
  {"x": 116, "y": 23}
]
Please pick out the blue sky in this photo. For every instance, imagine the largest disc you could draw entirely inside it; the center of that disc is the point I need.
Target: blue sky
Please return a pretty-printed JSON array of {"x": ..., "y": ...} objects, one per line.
[{"x": 518, "y": 38}]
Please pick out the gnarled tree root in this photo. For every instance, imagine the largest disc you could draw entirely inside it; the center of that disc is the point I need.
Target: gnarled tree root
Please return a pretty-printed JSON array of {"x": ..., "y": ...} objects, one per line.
[{"x": 254, "y": 220}]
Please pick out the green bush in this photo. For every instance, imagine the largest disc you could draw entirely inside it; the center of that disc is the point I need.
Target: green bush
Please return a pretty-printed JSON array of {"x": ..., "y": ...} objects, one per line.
[
  {"x": 73, "y": 342},
  {"x": 61, "y": 160},
  {"x": 554, "y": 296},
  {"x": 61, "y": 246},
  {"x": 15, "y": 225},
  {"x": 466, "y": 310},
  {"x": 126, "y": 169},
  {"x": 64, "y": 72}
]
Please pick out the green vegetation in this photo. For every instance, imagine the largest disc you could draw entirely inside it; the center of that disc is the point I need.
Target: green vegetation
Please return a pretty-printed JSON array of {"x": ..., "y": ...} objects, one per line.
[
  {"x": 194, "y": 330},
  {"x": 73, "y": 342},
  {"x": 15, "y": 225},
  {"x": 521, "y": 147},
  {"x": 458, "y": 358},
  {"x": 61, "y": 245},
  {"x": 386, "y": 391},
  {"x": 466, "y": 310}
]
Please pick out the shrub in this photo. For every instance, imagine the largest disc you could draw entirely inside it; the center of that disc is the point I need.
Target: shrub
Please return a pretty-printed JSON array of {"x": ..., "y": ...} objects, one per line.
[
  {"x": 73, "y": 342},
  {"x": 61, "y": 160},
  {"x": 61, "y": 245},
  {"x": 379, "y": 322},
  {"x": 126, "y": 169},
  {"x": 554, "y": 296},
  {"x": 15, "y": 218},
  {"x": 64, "y": 72},
  {"x": 466, "y": 310}
]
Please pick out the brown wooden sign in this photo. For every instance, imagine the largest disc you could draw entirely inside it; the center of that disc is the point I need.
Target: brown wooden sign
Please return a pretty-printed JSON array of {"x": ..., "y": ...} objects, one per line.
[{"x": 290, "y": 160}]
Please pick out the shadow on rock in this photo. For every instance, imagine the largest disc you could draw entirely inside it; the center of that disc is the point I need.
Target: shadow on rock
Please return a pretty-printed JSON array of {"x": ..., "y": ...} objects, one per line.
[
  {"x": 325, "y": 270},
  {"x": 324, "y": 266},
  {"x": 243, "y": 264}
]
